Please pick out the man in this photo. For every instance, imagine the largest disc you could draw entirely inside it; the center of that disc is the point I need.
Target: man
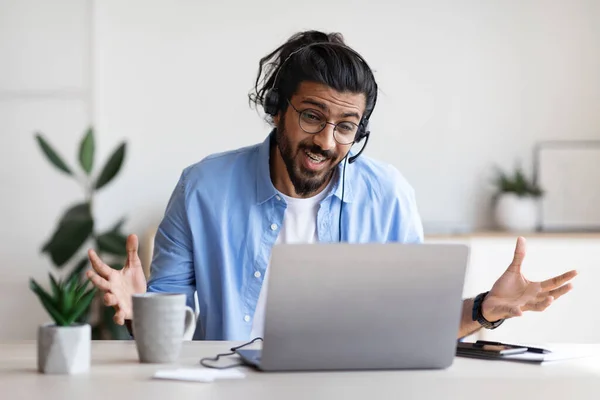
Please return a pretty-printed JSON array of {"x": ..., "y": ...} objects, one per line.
[{"x": 302, "y": 184}]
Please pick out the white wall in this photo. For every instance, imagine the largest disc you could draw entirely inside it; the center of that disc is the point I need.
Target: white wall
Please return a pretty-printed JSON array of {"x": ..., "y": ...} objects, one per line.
[
  {"x": 464, "y": 84},
  {"x": 44, "y": 86}
]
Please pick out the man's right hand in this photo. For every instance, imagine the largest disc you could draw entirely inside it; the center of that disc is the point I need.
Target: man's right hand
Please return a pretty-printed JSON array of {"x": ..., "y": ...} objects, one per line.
[{"x": 119, "y": 286}]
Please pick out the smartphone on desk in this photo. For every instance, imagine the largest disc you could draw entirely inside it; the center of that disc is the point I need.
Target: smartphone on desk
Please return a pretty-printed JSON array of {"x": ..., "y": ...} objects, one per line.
[{"x": 490, "y": 350}]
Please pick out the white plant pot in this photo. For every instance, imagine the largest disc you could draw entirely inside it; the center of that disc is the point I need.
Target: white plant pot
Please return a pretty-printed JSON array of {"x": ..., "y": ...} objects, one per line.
[
  {"x": 64, "y": 349},
  {"x": 517, "y": 213}
]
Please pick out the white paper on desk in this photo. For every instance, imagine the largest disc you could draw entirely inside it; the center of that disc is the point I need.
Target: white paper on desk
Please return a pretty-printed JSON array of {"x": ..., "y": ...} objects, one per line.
[
  {"x": 558, "y": 353},
  {"x": 198, "y": 374}
]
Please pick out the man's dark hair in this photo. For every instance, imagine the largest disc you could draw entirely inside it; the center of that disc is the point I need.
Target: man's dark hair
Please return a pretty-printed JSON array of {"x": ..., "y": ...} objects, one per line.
[{"x": 336, "y": 66}]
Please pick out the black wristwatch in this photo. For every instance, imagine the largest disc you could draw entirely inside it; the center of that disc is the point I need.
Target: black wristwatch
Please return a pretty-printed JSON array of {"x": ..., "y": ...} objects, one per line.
[{"x": 478, "y": 315}]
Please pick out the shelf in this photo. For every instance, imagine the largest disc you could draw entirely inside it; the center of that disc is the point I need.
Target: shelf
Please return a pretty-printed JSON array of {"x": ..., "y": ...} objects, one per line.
[{"x": 510, "y": 235}]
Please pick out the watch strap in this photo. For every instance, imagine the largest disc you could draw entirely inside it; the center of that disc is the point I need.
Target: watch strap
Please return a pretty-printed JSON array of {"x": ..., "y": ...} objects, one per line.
[{"x": 477, "y": 314}]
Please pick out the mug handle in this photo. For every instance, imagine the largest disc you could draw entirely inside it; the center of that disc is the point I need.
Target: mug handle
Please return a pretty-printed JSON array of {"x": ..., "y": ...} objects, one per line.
[{"x": 190, "y": 323}]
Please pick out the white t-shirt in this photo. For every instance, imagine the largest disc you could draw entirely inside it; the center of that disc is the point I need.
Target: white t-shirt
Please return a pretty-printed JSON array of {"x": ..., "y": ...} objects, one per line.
[{"x": 299, "y": 226}]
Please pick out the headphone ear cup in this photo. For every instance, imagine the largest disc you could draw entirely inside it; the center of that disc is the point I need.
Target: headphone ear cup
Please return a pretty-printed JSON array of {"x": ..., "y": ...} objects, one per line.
[
  {"x": 271, "y": 104},
  {"x": 363, "y": 130}
]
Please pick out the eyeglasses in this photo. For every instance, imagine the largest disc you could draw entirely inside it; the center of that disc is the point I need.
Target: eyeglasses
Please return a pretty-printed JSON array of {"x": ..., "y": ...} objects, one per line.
[{"x": 312, "y": 121}]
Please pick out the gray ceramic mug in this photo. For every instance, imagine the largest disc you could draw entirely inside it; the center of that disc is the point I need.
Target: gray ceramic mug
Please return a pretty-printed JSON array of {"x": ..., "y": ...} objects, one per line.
[{"x": 160, "y": 323}]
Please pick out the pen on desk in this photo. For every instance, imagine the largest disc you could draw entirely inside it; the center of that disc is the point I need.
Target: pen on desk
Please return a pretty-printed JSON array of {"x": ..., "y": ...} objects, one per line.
[{"x": 529, "y": 348}]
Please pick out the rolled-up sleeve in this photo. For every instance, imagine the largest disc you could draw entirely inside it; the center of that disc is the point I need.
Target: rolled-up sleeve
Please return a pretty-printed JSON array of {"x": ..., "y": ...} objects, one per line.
[{"x": 172, "y": 268}]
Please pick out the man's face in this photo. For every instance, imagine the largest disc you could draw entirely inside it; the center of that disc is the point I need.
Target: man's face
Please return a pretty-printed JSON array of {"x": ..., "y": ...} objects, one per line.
[{"x": 310, "y": 159}]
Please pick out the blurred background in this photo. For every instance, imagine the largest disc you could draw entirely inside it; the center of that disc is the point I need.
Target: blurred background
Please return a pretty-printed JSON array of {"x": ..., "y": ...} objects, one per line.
[{"x": 466, "y": 86}]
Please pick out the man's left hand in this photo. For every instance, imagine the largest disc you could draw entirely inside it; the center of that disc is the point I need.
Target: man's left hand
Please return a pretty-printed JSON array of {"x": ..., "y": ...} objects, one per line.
[{"x": 512, "y": 294}]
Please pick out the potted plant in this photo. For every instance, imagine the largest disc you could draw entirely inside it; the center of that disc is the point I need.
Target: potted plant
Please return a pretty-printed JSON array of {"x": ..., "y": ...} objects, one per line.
[
  {"x": 64, "y": 346},
  {"x": 77, "y": 228},
  {"x": 517, "y": 201}
]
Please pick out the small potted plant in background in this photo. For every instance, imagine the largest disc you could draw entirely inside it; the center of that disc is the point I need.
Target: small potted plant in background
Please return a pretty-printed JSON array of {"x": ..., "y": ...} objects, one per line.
[
  {"x": 64, "y": 347},
  {"x": 516, "y": 201}
]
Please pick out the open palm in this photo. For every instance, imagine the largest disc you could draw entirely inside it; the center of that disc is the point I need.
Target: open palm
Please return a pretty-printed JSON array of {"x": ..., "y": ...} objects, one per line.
[
  {"x": 512, "y": 294},
  {"x": 119, "y": 286}
]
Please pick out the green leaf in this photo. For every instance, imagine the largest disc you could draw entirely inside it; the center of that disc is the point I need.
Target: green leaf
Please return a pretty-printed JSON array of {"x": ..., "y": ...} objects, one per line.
[
  {"x": 76, "y": 273},
  {"x": 84, "y": 317},
  {"x": 67, "y": 301},
  {"x": 73, "y": 230},
  {"x": 517, "y": 182},
  {"x": 86, "y": 151},
  {"x": 112, "y": 243},
  {"x": 48, "y": 303},
  {"x": 81, "y": 306},
  {"x": 117, "y": 227},
  {"x": 80, "y": 290},
  {"x": 55, "y": 287},
  {"x": 117, "y": 266},
  {"x": 52, "y": 155},
  {"x": 112, "y": 167}
]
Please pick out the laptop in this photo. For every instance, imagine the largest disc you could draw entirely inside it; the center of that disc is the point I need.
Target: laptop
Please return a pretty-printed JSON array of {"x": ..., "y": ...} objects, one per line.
[{"x": 341, "y": 306}]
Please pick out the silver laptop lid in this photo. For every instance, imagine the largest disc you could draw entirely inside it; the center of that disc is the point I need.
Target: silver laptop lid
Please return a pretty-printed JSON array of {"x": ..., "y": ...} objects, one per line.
[{"x": 363, "y": 306}]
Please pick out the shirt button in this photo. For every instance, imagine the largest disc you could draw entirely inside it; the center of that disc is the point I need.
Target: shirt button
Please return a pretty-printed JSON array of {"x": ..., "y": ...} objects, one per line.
[
  {"x": 257, "y": 274},
  {"x": 277, "y": 197},
  {"x": 273, "y": 227},
  {"x": 247, "y": 318}
]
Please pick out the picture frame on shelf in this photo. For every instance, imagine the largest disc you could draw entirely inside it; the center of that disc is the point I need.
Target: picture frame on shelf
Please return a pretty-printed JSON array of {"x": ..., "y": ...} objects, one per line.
[{"x": 569, "y": 172}]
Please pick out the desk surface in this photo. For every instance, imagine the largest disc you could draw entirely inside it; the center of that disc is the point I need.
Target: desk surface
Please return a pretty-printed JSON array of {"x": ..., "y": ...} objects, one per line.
[{"x": 116, "y": 374}]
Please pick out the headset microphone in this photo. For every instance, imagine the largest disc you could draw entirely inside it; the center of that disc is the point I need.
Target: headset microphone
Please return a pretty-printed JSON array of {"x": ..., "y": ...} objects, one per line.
[{"x": 354, "y": 157}]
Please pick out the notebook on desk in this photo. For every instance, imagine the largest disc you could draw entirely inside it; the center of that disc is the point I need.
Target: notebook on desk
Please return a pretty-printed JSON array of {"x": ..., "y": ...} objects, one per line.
[{"x": 530, "y": 354}]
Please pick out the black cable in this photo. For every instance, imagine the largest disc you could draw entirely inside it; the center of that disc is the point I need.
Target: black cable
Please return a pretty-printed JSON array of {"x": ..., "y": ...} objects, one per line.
[
  {"x": 233, "y": 349},
  {"x": 342, "y": 204}
]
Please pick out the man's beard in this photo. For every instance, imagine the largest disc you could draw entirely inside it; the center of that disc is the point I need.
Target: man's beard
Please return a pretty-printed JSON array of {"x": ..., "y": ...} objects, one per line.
[{"x": 305, "y": 182}]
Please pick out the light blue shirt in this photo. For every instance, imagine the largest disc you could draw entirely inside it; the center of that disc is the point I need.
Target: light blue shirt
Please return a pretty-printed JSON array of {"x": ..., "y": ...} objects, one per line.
[{"x": 224, "y": 216}]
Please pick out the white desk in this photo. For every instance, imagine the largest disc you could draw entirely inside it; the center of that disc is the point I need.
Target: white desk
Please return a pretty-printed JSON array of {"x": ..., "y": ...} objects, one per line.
[{"x": 116, "y": 374}]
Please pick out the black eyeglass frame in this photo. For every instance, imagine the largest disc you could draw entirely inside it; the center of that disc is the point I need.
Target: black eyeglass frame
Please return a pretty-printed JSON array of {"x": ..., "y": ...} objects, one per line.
[{"x": 324, "y": 124}]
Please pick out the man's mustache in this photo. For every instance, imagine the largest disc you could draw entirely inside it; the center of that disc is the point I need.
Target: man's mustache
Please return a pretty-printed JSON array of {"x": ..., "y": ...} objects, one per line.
[{"x": 318, "y": 151}]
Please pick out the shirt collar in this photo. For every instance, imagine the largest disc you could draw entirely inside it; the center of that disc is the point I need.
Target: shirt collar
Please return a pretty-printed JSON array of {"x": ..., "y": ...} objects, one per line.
[
  {"x": 346, "y": 186},
  {"x": 264, "y": 186}
]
